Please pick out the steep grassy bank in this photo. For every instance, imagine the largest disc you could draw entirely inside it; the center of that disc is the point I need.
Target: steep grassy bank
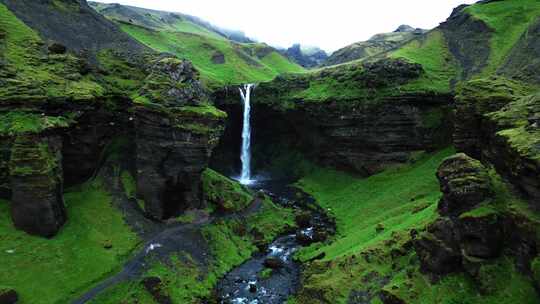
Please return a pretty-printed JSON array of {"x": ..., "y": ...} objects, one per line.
[
  {"x": 91, "y": 246},
  {"x": 371, "y": 259}
]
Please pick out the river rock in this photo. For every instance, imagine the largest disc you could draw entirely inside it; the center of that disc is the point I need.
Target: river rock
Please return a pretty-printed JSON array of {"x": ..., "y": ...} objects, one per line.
[
  {"x": 464, "y": 183},
  {"x": 273, "y": 263},
  {"x": 8, "y": 296}
]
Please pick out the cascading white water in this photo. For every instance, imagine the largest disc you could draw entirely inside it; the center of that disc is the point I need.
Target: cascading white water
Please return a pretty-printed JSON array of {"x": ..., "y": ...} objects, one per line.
[{"x": 245, "y": 156}]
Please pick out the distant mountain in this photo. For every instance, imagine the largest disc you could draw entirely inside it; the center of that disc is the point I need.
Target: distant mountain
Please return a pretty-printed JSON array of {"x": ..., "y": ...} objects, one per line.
[
  {"x": 160, "y": 20},
  {"x": 305, "y": 56},
  {"x": 377, "y": 44}
]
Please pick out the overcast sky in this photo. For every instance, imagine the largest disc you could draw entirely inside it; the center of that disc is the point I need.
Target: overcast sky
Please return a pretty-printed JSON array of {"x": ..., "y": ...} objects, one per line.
[{"x": 327, "y": 24}]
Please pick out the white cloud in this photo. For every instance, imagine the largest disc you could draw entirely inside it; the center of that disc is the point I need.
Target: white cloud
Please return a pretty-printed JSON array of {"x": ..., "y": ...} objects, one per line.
[{"x": 327, "y": 24}]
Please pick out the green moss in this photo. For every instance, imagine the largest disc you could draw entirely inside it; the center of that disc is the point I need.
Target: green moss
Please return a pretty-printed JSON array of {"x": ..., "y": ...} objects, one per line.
[
  {"x": 18, "y": 122},
  {"x": 224, "y": 193},
  {"x": 509, "y": 20},
  {"x": 433, "y": 54},
  {"x": 58, "y": 269},
  {"x": 129, "y": 184},
  {"x": 122, "y": 77},
  {"x": 265, "y": 274},
  {"x": 535, "y": 268}
]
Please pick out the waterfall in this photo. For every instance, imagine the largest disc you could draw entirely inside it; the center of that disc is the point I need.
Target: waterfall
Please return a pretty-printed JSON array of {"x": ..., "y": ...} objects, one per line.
[{"x": 245, "y": 156}]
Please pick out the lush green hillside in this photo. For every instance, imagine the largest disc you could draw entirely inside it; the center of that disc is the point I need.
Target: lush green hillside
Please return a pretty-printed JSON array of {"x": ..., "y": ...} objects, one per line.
[
  {"x": 238, "y": 65},
  {"x": 371, "y": 253},
  {"x": 220, "y": 60}
]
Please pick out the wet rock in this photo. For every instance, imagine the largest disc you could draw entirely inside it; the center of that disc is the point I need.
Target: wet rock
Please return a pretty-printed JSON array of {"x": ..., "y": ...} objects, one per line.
[
  {"x": 8, "y": 296},
  {"x": 273, "y": 263},
  {"x": 303, "y": 219},
  {"x": 154, "y": 286},
  {"x": 389, "y": 298},
  {"x": 464, "y": 183},
  {"x": 57, "y": 48},
  {"x": 252, "y": 288},
  {"x": 35, "y": 169}
]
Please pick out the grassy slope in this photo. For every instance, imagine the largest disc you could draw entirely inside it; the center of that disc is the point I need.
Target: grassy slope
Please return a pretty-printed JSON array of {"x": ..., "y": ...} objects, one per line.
[
  {"x": 185, "y": 281},
  {"x": 387, "y": 198},
  {"x": 509, "y": 20},
  {"x": 55, "y": 270},
  {"x": 32, "y": 77},
  {"x": 199, "y": 48},
  {"x": 374, "y": 217},
  {"x": 432, "y": 53}
]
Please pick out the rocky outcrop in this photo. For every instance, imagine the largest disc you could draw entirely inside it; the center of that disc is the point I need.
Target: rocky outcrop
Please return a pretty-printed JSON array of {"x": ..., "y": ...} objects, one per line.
[
  {"x": 8, "y": 296},
  {"x": 498, "y": 126},
  {"x": 37, "y": 204},
  {"x": 464, "y": 183},
  {"x": 523, "y": 62},
  {"x": 308, "y": 57},
  {"x": 174, "y": 139},
  {"x": 468, "y": 41}
]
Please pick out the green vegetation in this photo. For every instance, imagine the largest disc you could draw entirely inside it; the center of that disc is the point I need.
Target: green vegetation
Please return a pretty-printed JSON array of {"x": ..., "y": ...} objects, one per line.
[
  {"x": 224, "y": 193},
  {"x": 508, "y": 20},
  {"x": 433, "y": 54},
  {"x": 372, "y": 250},
  {"x": 18, "y": 122},
  {"x": 239, "y": 67},
  {"x": 56, "y": 270},
  {"x": 230, "y": 242},
  {"x": 388, "y": 198},
  {"x": 31, "y": 75},
  {"x": 129, "y": 184}
]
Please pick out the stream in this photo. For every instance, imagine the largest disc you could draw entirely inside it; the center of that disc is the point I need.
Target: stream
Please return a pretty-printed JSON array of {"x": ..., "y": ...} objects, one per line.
[{"x": 272, "y": 276}]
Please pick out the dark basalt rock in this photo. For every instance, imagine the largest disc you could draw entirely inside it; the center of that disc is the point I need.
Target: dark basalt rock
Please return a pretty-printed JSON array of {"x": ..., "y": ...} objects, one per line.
[
  {"x": 438, "y": 248},
  {"x": 464, "y": 183},
  {"x": 390, "y": 298},
  {"x": 8, "y": 296},
  {"x": 57, "y": 48},
  {"x": 468, "y": 40},
  {"x": 171, "y": 158},
  {"x": 37, "y": 204},
  {"x": 481, "y": 236},
  {"x": 273, "y": 263},
  {"x": 153, "y": 286}
]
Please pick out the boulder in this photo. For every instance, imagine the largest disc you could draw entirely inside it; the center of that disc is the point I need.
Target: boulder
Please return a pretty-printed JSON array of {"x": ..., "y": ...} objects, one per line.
[
  {"x": 35, "y": 169},
  {"x": 57, "y": 48},
  {"x": 8, "y": 296},
  {"x": 273, "y": 263},
  {"x": 464, "y": 183}
]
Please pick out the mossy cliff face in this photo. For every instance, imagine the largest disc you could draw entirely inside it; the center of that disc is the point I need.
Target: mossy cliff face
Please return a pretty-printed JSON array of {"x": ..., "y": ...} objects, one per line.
[
  {"x": 360, "y": 133},
  {"x": 499, "y": 126},
  {"x": 37, "y": 204},
  {"x": 80, "y": 92},
  {"x": 174, "y": 138}
]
